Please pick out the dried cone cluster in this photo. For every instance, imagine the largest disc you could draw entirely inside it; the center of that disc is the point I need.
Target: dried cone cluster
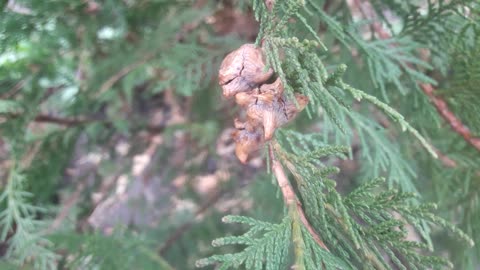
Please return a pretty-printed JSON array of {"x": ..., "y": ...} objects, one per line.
[{"x": 242, "y": 74}]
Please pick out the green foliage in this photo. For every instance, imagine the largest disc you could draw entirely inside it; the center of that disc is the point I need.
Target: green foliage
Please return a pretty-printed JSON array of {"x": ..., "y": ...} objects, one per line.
[
  {"x": 372, "y": 208},
  {"x": 361, "y": 227},
  {"x": 461, "y": 94},
  {"x": 62, "y": 62},
  {"x": 388, "y": 60},
  {"x": 306, "y": 73},
  {"x": 8, "y": 106},
  {"x": 20, "y": 227},
  {"x": 391, "y": 60},
  {"x": 457, "y": 188},
  {"x": 96, "y": 251},
  {"x": 272, "y": 245}
]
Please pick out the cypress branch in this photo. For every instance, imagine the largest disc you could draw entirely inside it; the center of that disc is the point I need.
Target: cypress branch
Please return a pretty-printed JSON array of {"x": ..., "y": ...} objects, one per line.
[{"x": 84, "y": 87}]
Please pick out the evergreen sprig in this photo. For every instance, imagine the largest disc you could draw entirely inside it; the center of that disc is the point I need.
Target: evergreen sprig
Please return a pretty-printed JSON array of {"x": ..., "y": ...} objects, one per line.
[
  {"x": 265, "y": 242},
  {"x": 366, "y": 227},
  {"x": 20, "y": 227}
]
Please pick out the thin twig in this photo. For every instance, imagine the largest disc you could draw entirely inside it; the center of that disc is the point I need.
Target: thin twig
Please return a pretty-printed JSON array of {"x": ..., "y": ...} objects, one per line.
[
  {"x": 277, "y": 169},
  {"x": 67, "y": 206},
  {"x": 82, "y": 120},
  {"x": 30, "y": 154},
  {"x": 289, "y": 195},
  {"x": 455, "y": 123},
  {"x": 447, "y": 162},
  {"x": 64, "y": 121}
]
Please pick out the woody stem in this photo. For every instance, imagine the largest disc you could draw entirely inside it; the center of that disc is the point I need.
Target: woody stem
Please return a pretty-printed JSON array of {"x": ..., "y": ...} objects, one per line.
[{"x": 291, "y": 201}]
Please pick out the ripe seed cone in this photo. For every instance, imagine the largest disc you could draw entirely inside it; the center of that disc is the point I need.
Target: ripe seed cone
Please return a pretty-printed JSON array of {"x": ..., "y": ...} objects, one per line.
[
  {"x": 267, "y": 107},
  {"x": 243, "y": 70},
  {"x": 248, "y": 139}
]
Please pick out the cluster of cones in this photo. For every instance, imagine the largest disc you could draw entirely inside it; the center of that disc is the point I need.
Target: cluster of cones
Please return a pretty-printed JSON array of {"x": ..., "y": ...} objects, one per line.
[{"x": 243, "y": 75}]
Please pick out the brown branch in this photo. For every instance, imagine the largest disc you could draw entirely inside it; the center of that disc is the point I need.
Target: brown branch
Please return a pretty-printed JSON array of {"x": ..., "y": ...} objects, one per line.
[
  {"x": 312, "y": 232},
  {"x": 447, "y": 162},
  {"x": 64, "y": 121},
  {"x": 441, "y": 106},
  {"x": 289, "y": 195},
  {"x": 67, "y": 206},
  {"x": 455, "y": 123},
  {"x": 81, "y": 120},
  {"x": 277, "y": 169}
]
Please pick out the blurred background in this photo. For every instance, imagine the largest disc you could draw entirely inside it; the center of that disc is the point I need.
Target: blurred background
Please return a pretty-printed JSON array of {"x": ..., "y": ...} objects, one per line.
[{"x": 120, "y": 132}]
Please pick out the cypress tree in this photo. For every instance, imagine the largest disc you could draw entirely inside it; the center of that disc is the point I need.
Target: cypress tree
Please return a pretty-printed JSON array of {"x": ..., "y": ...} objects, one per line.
[{"x": 335, "y": 134}]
